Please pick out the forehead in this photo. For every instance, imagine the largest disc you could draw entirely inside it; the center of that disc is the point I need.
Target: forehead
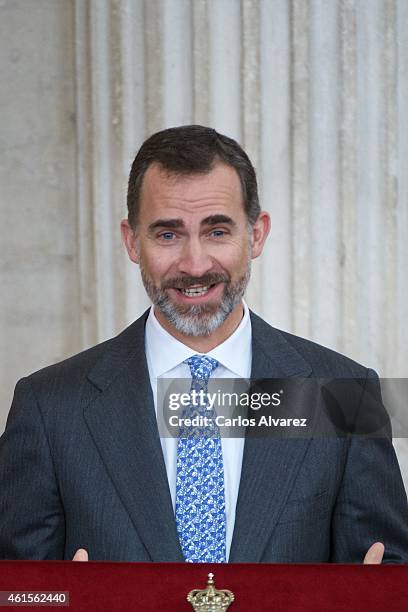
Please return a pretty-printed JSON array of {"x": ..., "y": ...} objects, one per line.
[{"x": 167, "y": 194}]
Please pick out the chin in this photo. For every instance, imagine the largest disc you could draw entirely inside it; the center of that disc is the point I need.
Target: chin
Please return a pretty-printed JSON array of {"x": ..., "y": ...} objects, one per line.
[{"x": 196, "y": 321}]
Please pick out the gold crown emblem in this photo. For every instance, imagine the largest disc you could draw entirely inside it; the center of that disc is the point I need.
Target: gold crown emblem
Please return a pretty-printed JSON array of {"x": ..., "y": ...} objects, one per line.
[{"x": 210, "y": 599}]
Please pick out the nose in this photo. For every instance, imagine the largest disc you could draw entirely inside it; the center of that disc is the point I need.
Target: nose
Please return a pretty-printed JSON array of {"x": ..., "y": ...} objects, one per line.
[{"x": 194, "y": 259}]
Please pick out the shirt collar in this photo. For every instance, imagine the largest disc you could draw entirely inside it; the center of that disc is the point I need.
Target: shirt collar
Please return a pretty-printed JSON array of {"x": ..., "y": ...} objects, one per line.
[{"x": 166, "y": 352}]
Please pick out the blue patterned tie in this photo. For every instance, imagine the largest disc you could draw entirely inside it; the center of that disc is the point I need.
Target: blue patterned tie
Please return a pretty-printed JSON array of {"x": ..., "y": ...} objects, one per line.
[{"x": 200, "y": 498}]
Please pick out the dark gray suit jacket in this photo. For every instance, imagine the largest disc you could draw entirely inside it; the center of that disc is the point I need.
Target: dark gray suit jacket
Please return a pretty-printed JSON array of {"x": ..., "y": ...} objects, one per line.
[{"x": 81, "y": 465}]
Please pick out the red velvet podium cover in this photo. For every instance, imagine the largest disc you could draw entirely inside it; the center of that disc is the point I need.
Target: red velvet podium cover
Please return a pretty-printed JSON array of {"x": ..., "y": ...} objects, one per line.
[{"x": 103, "y": 586}]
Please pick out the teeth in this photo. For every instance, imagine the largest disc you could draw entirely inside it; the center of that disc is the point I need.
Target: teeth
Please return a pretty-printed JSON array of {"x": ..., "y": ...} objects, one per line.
[{"x": 195, "y": 291}]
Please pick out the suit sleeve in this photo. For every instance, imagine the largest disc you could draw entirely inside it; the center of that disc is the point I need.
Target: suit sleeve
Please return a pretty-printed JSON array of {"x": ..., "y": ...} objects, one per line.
[
  {"x": 372, "y": 504},
  {"x": 31, "y": 515}
]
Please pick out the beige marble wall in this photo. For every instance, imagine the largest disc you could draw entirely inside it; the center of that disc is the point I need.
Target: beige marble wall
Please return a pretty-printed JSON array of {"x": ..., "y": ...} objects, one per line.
[
  {"x": 39, "y": 302},
  {"x": 315, "y": 90}
]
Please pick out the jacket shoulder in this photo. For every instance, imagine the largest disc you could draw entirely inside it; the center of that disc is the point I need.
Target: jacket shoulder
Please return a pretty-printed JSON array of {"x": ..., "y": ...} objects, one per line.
[
  {"x": 322, "y": 360},
  {"x": 107, "y": 356}
]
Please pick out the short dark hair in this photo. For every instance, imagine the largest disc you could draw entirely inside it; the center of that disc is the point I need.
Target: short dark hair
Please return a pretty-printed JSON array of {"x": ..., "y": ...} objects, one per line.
[{"x": 192, "y": 149}]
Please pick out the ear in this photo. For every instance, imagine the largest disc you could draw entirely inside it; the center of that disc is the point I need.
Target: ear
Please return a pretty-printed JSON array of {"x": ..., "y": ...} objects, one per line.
[
  {"x": 130, "y": 240},
  {"x": 259, "y": 233}
]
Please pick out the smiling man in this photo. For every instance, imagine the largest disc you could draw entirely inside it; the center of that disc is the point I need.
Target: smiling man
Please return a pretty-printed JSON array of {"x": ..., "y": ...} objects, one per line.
[
  {"x": 194, "y": 244},
  {"x": 83, "y": 469}
]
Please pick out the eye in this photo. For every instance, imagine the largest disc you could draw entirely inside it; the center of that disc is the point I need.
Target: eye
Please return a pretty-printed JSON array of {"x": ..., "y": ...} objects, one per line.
[
  {"x": 218, "y": 233},
  {"x": 167, "y": 236}
]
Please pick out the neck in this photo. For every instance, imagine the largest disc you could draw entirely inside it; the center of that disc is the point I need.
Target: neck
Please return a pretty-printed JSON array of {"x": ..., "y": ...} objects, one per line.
[{"x": 204, "y": 344}]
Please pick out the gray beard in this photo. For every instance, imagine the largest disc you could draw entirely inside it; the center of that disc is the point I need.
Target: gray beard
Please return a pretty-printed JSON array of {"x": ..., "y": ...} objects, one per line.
[{"x": 197, "y": 319}]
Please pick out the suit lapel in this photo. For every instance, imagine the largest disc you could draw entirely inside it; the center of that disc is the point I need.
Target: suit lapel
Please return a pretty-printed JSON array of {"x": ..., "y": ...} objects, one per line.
[
  {"x": 123, "y": 425},
  {"x": 269, "y": 465}
]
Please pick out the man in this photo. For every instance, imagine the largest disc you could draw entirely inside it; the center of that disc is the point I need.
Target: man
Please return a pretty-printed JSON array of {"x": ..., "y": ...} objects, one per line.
[{"x": 83, "y": 468}]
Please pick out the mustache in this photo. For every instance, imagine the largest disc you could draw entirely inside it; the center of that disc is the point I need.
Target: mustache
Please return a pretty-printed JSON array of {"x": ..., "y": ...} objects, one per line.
[{"x": 184, "y": 282}]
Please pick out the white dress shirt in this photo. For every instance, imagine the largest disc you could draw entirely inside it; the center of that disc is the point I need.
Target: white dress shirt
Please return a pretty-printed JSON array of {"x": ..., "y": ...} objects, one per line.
[{"x": 165, "y": 355}]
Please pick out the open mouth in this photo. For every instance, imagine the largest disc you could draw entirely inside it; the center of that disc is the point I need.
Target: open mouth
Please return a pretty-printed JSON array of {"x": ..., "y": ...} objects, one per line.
[{"x": 196, "y": 291}]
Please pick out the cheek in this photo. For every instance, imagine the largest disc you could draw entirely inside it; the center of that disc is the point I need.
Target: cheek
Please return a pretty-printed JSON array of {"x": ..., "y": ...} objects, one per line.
[
  {"x": 234, "y": 257},
  {"x": 157, "y": 264}
]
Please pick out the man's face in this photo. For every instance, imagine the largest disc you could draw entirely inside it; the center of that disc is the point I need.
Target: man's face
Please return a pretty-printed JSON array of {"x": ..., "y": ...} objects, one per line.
[{"x": 193, "y": 245}]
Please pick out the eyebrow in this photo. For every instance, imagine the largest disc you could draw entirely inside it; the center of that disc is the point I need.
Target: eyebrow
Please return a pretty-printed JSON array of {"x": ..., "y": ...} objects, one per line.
[
  {"x": 216, "y": 219},
  {"x": 167, "y": 223},
  {"x": 179, "y": 223}
]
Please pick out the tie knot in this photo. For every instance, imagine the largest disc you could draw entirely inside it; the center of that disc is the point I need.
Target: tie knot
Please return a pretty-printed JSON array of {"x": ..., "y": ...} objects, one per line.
[{"x": 201, "y": 366}]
